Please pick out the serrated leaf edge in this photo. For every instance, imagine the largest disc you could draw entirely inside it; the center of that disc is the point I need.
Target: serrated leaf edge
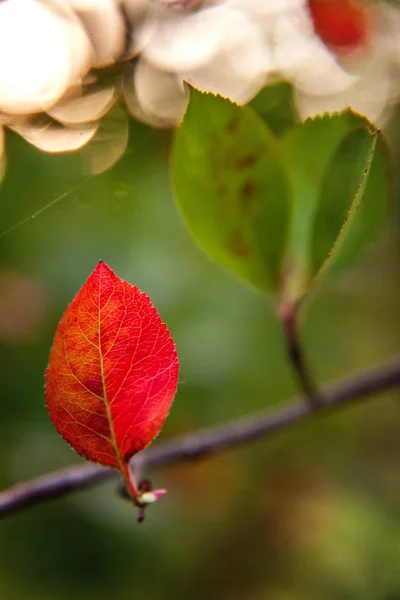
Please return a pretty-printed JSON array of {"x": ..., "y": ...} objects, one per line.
[{"x": 347, "y": 221}]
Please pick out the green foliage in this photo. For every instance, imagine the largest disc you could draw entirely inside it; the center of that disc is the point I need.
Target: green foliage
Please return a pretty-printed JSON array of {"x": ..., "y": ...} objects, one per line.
[
  {"x": 330, "y": 163},
  {"x": 346, "y": 222},
  {"x": 276, "y": 211},
  {"x": 274, "y": 103},
  {"x": 309, "y": 149},
  {"x": 231, "y": 186}
]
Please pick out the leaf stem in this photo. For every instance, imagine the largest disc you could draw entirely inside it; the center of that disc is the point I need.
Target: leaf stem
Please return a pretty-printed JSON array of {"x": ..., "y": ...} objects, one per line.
[
  {"x": 288, "y": 315},
  {"x": 130, "y": 482}
]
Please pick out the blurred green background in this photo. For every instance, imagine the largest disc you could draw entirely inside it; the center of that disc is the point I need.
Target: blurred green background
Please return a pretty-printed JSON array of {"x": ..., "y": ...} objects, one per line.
[{"x": 311, "y": 514}]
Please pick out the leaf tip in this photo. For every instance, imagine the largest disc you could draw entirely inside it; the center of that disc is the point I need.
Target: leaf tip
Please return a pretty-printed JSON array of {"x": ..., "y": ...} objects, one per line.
[
  {"x": 102, "y": 266},
  {"x": 208, "y": 94}
]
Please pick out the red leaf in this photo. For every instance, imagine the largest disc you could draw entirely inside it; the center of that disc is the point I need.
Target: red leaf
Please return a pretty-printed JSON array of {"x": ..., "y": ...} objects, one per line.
[
  {"x": 341, "y": 24},
  {"x": 112, "y": 372}
]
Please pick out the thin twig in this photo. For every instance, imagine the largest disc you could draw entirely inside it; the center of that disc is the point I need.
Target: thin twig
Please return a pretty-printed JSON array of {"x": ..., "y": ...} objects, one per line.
[{"x": 205, "y": 441}]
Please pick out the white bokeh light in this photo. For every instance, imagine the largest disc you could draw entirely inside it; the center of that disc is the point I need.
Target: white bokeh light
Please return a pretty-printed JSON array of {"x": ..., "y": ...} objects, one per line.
[{"x": 42, "y": 53}]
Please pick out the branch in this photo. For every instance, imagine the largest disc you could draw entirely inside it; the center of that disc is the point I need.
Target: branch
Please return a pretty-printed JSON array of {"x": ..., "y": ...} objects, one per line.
[{"x": 204, "y": 441}]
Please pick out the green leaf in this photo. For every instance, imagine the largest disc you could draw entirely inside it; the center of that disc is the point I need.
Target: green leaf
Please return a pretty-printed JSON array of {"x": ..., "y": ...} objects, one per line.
[
  {"x": 353, "y": 203},
  {"x": 313, "y": 149},
  {"x": 274, "y": 103},
  {"x": 231, "y": 186},
  {"x": 278, "y": 219}
]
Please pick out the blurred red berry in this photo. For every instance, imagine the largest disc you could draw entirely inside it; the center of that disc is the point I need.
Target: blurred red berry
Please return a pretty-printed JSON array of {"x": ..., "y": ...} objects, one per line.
[{"x": 342, "y": 25}]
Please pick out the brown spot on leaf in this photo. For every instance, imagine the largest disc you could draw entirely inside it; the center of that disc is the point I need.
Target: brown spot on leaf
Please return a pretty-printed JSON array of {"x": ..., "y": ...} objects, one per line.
[
  {"x": 245, "y": 162},
  {"x": 237, "y": 245},
  {"x": 247, "y": 190},
  {"x": 232, "y": 125}
]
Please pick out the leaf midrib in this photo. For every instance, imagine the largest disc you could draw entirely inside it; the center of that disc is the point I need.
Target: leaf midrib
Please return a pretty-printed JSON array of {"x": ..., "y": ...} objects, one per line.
[{"x": 107, "y": 407}]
